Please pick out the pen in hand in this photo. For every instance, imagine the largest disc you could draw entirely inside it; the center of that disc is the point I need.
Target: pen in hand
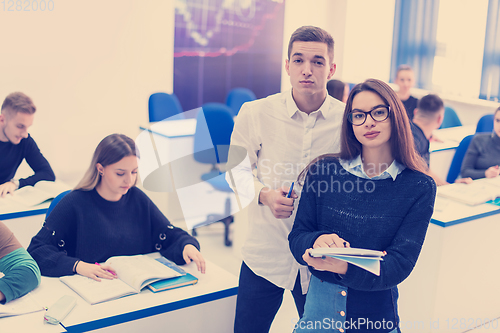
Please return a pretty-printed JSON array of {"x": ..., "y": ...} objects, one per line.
[{"x": 290, "y": 191}]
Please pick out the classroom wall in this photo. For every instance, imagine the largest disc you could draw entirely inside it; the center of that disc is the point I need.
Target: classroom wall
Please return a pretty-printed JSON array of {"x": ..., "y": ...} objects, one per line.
[{"x": 89, "y": 67}]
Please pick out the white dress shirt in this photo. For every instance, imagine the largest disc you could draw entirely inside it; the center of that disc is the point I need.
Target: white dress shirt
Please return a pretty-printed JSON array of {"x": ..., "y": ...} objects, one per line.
[{"x": 280, "y": 141}]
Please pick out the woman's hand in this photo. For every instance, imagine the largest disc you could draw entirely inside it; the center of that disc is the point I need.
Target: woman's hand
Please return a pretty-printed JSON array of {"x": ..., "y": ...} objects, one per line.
[
  {"x": 492, "y": 172},
  {"x": 191, "y": 253},
  {"x": 95, "y": 271},
  {"x": 327, "y": 264}
]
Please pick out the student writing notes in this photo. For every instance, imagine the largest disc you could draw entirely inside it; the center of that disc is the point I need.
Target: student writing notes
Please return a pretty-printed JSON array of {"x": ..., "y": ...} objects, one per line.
[
  {"x": 373, "y": 195},
  {"x": 281, "y": 134},
  {"x": 105, "y": 216},
  {"x": 483, "y": 155},
  {"x": 21, "y": 273},
  {"x": 17, "y": 115}
]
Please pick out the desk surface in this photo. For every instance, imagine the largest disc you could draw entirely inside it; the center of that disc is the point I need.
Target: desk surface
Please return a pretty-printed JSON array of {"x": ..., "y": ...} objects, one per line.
[
  {"x": 215, "y": 285},
  {"x": 172, "y": 128},
  {"x": 13, "y": 211},
  {"x": 451, "y": 137},
  {"x": 448, "y": 212}
]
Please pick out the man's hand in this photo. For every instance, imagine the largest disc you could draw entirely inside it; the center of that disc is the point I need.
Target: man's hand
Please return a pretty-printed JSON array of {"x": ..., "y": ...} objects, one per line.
[
  {"x": 278, "y": 203},
  {"x": 492, "y": 172},
  {"x": 6, "y": 188}
]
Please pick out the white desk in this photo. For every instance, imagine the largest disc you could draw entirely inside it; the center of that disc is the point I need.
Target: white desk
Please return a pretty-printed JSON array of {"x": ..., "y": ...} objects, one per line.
[
  {"x": 207, "y": 306},
  {"x": 442, "y": 152},
  {"x": 455, "y": 282},
  {"x": 24, "y": 222},
  {"x": 167, "y": 164}
]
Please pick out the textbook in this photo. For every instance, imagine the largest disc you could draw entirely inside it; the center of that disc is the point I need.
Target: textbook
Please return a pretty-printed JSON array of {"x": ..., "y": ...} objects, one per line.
[
  {"x": 369, "y": 260},
  {"x": 22, "y": 305},
  {"x": 185, "y": 280},
  {"x": 479, "y": 192},
  {"x": 134, "y": 273},
  {"x": 29, "y": 196}
]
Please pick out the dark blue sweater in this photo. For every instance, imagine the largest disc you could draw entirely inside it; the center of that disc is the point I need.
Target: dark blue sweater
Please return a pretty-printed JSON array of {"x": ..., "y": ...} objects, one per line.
[
  {"x": 12, "y": 155},
  {"x": 84, "y": 226},
  {"x": 385, "y": 215}
]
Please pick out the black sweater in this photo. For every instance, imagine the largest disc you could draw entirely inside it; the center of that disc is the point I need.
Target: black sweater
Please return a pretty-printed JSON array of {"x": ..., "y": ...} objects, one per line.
[
  {"x": 483, "y": 152},
  {"x": 84, "y": 226},
  {"x": 385, "y": 215},
  {"x": 12, "y": 155}
]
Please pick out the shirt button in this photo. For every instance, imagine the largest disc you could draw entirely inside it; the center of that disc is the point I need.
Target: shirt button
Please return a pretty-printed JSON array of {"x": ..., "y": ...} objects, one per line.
[
  {"x": 343, "y": 293},
  {"x": 342, "y": 313}
]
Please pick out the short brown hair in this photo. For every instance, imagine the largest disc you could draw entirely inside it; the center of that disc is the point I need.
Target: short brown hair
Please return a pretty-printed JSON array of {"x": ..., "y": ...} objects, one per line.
[
  {"x": 310, "y": 33},
  {"x": 18, "y": 102}
]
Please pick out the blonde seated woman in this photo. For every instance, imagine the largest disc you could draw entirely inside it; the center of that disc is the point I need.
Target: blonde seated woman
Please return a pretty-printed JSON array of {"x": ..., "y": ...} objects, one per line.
[{"x": 105, "y": 216}]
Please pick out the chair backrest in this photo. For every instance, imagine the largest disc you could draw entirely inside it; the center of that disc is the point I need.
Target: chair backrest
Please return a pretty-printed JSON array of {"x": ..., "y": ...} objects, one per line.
[
  {"x": 237, "y": 96},
  {"x": 162, "y": 106},
  {"x": 450, "y": 118},
  {"x": 485, "y": 124},
  {"x": 214, "y": 126},
  {"x": 456, "y": 162},
  {"x": 55, "y": 201}
]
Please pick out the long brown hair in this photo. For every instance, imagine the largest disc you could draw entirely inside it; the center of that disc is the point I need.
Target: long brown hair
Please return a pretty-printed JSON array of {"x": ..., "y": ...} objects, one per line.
[
  {"x": 401, "y": 140},
  {"x": 110, "y": 150}
]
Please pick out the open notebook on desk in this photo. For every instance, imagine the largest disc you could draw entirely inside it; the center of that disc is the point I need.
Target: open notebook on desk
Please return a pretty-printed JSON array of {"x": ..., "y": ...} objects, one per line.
[
  {"x": 29, "y": 196},
  {"x": 22, "y": 305},
  {"x": 479, "y": 192},
  {"x": 134, "y": 273}
]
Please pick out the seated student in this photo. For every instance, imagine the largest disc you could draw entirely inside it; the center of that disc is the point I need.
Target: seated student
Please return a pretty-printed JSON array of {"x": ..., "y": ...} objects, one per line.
[
  {"x": 405, "y": 79},
  {"x": 105, "y": 216},
  {"x": 483, "y": 155},
  {"x": 375, "y": 195},
  {"x": 428, "y": 116},
  {"x": 17, "y": 114},
  {"x": 21, "y": 274}
]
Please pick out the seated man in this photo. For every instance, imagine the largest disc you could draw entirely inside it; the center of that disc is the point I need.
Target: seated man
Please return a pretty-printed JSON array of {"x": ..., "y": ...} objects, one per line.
[
  {"x": 17, "y": 114},
  {"x": 427, "y": 117},
  {"x": 21, "y": 273}
]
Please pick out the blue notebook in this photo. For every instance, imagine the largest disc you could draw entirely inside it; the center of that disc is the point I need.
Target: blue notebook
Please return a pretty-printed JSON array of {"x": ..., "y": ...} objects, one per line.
[{"x": 185, "y": 280}]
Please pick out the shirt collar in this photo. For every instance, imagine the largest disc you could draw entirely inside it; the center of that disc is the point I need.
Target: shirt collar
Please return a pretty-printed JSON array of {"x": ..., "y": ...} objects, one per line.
[
  {"x": 392, "y": 171},
  {"x": 324, "y": 110}
]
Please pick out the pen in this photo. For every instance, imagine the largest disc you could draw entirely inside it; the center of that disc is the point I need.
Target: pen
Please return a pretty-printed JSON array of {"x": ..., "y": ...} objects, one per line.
[{"x": 290, "y": 191}]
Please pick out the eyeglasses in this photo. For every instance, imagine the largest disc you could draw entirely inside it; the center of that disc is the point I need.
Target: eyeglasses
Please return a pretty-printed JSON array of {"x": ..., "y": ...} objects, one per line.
[{"x": 379, "y": 113}]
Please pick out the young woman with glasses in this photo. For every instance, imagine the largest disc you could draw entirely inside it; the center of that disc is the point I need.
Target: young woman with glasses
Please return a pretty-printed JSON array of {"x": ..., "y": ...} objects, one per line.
[{"x": 375, "y": 195}]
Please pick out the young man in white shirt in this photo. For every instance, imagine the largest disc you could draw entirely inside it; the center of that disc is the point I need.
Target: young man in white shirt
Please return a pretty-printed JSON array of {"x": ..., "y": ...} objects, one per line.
[{"x": 281, "y": 134}]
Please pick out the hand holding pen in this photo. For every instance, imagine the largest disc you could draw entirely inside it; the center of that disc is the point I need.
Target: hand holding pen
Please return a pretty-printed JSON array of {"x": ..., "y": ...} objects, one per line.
[
  {"x": 95, "y": 271},
  {"x": 279, "y": 201}
]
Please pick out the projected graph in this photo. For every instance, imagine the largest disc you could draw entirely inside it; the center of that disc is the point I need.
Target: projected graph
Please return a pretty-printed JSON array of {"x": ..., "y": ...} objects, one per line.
[{"x": 220, "y": 44}]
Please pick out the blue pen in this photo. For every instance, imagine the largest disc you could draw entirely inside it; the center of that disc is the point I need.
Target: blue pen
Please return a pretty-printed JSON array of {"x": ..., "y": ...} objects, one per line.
[{"x": 290, "y": 191}]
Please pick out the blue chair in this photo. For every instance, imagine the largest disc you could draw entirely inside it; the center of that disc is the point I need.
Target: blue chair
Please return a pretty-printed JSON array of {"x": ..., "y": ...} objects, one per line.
[
  {"x": 55, "y": 201},
  {"x": 485, "y": 124},
  {"x": 237, "y": 96},
  {"x": 214, "y": 126},
  {"x": 162, "y": 106},
  {"x": 456, "y": 162},
  {"x": 450, "y": 118}
]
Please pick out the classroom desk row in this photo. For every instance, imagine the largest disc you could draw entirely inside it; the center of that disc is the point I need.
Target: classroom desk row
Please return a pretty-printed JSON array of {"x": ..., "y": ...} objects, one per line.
[
  {"x": 207, "y": 306},
  {"x": 454, "y": 285}
]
